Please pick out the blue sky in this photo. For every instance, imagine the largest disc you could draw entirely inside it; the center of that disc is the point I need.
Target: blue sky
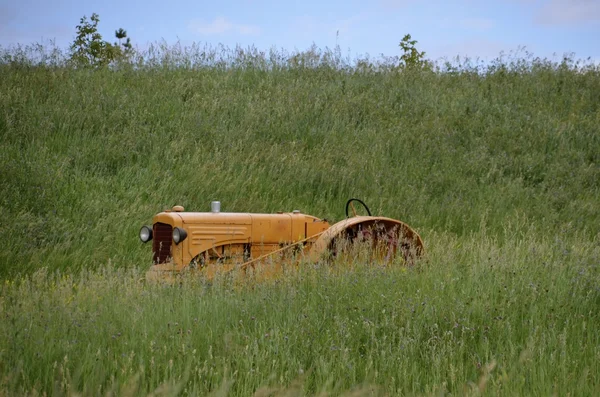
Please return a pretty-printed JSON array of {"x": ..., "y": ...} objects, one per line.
[{"x": 475, "y": 28}]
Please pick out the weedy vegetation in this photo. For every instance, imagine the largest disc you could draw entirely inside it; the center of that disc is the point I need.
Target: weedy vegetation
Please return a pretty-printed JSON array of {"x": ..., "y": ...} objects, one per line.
[{"x": 495, "y": 164}]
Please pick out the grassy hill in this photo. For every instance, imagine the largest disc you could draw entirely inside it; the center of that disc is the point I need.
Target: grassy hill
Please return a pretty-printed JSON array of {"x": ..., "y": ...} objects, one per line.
[
  {"x": 497, "y": 168},
  {"x": 90, "y": 155}
]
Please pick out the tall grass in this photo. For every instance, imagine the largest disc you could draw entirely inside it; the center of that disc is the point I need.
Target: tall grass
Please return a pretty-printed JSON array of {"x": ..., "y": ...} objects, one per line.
[
  {"x": 516, "y": 319},
  {"x": 496, "y": 165},
  {"x": 89, "y": 155}
]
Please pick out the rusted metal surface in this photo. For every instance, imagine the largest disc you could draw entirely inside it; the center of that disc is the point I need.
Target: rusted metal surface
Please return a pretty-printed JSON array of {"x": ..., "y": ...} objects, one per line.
[
  {"x": 385, "y": 237},
  {"x": 161, "y": 242}
]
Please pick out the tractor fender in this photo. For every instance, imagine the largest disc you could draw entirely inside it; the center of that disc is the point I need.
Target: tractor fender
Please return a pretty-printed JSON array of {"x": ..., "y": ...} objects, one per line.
[{"x": 408, "y": 240}]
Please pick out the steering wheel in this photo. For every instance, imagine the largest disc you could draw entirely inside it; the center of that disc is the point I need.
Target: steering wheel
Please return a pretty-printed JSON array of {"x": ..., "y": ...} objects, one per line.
[{"x": 350, "y": 205}]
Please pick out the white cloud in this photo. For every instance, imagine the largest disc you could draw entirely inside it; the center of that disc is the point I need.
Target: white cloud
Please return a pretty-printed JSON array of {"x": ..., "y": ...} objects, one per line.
[
  {"x": 479, "y": 24},
  {"x": 12, "y": 35},
  {"x": 481, "y": 48},
  {"x": 221, "y": 25},
  {"x": 6, "y": 15},
  {"x": 556, "y": 12}
]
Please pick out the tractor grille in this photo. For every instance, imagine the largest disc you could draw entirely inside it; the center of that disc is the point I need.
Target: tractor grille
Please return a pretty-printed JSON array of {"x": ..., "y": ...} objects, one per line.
[{"x": 161, "y": 242}]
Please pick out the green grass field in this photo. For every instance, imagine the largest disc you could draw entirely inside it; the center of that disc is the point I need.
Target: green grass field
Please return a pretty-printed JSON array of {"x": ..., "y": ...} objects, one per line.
[{"x": 496, "y": 166}]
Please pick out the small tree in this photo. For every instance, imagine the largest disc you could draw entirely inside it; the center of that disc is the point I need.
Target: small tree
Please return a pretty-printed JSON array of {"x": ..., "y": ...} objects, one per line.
[
  {"x": 412, "y": 58},
  {"x": 120, "y": 34},
  {"x": 126, "y": 46},
  {"x": 89, "y": 49}
]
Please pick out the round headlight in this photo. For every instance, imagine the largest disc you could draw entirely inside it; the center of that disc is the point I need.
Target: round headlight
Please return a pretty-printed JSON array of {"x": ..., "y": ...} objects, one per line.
[
  {"x": 179, "y": 235},
  {"x": 145, "y": 234}
]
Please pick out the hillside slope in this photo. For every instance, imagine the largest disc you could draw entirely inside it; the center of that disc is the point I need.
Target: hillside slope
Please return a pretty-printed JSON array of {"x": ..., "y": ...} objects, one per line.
[{"x": 87, "y": 156}]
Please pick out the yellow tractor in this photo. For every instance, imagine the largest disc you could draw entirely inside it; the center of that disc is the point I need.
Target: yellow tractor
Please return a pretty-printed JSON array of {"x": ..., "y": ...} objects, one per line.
[{"x": 214, "y": 242}]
